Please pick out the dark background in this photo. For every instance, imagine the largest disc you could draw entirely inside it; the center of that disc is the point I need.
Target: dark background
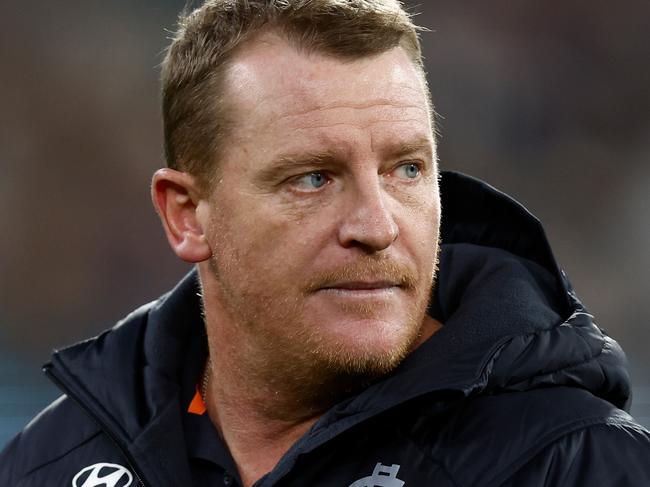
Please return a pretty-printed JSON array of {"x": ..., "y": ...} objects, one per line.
[{"x": 549, "y": 101}]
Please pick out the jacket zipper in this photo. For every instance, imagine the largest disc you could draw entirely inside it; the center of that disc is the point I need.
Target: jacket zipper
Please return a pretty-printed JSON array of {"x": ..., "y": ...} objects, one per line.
[{"x": 105, "y": 429}]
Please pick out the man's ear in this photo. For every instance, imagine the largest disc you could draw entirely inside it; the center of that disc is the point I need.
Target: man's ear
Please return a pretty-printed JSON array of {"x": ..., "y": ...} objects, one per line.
[{"x": 176, "y": 197}]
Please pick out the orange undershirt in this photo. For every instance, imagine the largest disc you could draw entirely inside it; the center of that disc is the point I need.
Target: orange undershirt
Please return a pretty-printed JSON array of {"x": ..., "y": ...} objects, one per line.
[{"x": 197, "y": 406}]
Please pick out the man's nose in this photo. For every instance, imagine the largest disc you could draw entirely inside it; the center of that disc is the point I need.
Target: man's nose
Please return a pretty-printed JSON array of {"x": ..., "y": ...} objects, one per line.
[{"x": 368, "y": 222}]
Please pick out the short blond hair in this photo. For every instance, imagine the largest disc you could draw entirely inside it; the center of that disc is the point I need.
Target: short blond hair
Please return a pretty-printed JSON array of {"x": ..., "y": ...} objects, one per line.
[{"x": 195, "y": 116}]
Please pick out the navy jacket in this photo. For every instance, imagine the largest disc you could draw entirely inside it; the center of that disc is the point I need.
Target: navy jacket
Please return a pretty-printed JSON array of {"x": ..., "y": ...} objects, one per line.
[{"x": 519, "y": 388}]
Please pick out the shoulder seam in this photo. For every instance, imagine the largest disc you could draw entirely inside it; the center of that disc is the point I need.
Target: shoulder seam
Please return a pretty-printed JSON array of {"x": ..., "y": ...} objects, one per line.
[
  {"x": 59, "y": 457},
  {"x": 554, "y": 436}
]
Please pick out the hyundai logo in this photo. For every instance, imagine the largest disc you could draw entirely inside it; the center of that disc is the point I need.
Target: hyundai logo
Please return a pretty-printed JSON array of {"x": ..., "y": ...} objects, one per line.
[{"x": 104, "y": 475}]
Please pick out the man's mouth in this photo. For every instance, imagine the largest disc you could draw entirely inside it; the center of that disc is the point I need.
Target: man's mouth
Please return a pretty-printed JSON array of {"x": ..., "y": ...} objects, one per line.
[
  {"x": 380, "y": 278},
  {"x": 362, "y": 285},
  {"x": 361, "y": 289}
]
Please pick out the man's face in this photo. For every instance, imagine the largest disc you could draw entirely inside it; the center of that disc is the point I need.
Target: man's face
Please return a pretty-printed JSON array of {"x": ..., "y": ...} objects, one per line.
[{"x": 324, "y": 220}]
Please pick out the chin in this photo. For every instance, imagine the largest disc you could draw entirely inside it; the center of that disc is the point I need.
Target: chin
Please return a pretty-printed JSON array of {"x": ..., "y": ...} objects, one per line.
[{"x": 375, "y": 349}]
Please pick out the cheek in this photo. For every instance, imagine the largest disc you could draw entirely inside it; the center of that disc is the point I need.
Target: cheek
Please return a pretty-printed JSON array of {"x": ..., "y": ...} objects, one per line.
[
  {"x": 422, "y": 207},
  {"x": 420, "y": 229},
  {"x": 269, "y": 239}
]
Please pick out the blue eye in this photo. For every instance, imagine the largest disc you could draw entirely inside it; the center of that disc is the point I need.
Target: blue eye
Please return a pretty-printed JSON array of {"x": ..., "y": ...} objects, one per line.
[
  {"x": 317, "y": 179},
  {"x": 311, "y": 181},
  {"x": 409, "y": 171}
]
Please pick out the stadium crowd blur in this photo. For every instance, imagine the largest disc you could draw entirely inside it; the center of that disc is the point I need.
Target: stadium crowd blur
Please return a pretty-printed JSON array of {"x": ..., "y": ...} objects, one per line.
[{"x": 549, "y": 101}]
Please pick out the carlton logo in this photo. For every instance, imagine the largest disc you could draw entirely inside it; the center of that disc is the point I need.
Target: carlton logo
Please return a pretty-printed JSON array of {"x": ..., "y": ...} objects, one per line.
[
  {"x": 382, "y": 476},
  {"x": 103, "y": 475}
]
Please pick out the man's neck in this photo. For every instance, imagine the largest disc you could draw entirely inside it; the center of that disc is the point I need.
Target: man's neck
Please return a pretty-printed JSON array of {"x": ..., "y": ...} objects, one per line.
[
  {"x": 260, "y": 416},
  {"x": 257, "y": 424}
]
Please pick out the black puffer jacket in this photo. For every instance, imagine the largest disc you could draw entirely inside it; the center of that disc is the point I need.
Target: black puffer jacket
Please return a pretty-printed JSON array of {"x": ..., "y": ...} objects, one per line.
[{"x": 520, "y": 387}]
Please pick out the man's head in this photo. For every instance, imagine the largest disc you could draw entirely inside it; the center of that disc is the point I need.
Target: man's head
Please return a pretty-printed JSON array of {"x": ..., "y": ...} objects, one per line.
[
  {"x": 316, "y": 239},
  {"x": 197, "y": 114}
]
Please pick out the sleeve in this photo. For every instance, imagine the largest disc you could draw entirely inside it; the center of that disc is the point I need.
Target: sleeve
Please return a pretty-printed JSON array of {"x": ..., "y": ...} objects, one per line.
[{"x": 610, "y": 454}]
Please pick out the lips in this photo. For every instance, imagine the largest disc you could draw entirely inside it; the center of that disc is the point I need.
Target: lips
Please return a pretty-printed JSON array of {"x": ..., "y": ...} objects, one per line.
[
  {"x": 362, "y": 285},
  {"x": 365, "y": 276},
  {"x": 361, "y": 290}
]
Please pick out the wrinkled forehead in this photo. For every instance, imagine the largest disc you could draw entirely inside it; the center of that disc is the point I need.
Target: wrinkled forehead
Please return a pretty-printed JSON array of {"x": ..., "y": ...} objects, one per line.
[{"x": 270, "y": 75}]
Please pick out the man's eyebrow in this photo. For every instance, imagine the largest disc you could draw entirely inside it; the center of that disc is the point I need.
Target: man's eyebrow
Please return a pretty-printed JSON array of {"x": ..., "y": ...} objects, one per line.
[
  {"x": 283, "y": 163},
  {"x": 303, "y": 159},
  {"x": 423, "y": 144}
]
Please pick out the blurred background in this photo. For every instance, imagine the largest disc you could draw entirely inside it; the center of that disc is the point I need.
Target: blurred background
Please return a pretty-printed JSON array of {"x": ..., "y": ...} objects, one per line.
[{"x": 548, "y": 101}]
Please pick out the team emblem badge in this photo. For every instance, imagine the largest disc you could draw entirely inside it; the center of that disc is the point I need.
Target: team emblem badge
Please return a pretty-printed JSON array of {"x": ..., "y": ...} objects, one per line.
[{"x": 382, "y": 476}]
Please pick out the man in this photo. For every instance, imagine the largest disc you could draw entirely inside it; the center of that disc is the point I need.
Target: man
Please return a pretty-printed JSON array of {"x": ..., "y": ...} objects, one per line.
[{"x": 311, "y": 346}]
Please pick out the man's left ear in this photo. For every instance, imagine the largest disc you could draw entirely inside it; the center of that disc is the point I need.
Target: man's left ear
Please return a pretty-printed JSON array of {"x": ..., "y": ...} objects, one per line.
[{"x": 176, "y": 197}]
